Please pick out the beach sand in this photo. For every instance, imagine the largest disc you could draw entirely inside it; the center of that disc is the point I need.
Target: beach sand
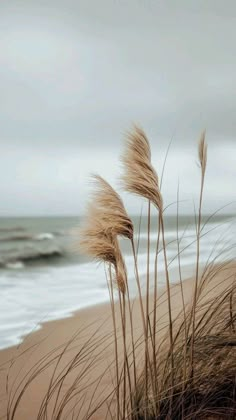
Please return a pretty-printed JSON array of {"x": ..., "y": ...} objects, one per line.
[{"x": 81, "y": 350}]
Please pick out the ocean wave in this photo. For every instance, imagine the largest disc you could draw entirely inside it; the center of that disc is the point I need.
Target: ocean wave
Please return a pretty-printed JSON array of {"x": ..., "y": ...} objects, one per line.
[
  {"x": 16, "y": 238},
  {"x": 16, "y": 260},
  {"x": 12, "y": 229},
  {"x": 44, "y": 236},
  {"x": 15, "y": 265}
]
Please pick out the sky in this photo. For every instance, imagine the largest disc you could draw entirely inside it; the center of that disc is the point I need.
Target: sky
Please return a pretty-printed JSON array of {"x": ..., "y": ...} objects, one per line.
[{"x": 75, "y": 75}]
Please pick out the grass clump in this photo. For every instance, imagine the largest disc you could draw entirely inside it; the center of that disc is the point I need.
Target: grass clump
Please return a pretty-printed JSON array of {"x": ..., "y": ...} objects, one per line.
[
  {"x": 186, "y": 370},
  {"x": 192, "y": 373}
]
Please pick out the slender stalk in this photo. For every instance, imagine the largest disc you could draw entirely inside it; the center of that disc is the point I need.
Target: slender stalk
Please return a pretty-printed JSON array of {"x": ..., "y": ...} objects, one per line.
[
  {"x": 147, "y": 299},
  {"x": 148, "y": 265},
  {"x": 155, "y": 285},
  {"x": 126, "y": 368},
  {"x": 132, "y": 337},
  {"x": 142, "y": 311},
  {"x": 183, "y": 301},
  {"x": 231, "y": 310},
  {"x": 181, "y": 282},
  {"x": 155, "y": 305},
  {"x": 196, "y": 278},
  {"x": 168, "y": 299},
  {"x": 179, "y": 262},
  {"x": 139, "y": 230},
  {"x": 140, "y": 302},
  {"x": 111, "y": 290},
  {"x": 122, "y": 314},
  {"x": 138, "y": 286}
]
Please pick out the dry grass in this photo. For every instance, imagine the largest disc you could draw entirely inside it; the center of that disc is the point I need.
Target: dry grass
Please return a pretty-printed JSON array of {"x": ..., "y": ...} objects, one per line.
[
  {"x": 139, "y": 175},
  {"x": 188, "y": 372}
]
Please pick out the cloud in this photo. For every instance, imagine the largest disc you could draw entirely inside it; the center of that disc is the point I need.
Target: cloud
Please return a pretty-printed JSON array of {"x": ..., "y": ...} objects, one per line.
[{"x": 75, "y": 75}]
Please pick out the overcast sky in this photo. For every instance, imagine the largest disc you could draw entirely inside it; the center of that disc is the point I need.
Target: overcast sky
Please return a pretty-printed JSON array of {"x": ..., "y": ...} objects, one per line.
[{"x": 75, "y": 75}]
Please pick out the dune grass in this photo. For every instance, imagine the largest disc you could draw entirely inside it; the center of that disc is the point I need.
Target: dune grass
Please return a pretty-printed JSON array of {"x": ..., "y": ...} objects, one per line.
[{"x": 187, "y": 372}]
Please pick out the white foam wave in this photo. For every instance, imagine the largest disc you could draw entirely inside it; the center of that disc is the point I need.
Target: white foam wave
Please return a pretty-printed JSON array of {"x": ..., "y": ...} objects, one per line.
[
  {"x": 31, "y": 296},
  {"x": 44, "y": 236},
  {"x": 15, "y": 265}
]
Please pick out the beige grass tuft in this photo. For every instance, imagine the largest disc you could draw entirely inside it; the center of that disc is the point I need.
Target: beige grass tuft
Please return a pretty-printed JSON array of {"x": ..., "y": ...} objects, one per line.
[
  {"x": 106, "y": 219},
  {"x": 109, "y": 208},
  {"x": 140, "y": 177},
  {"x": 96, "y": 242},
  {"x": 202, "y": 152}
]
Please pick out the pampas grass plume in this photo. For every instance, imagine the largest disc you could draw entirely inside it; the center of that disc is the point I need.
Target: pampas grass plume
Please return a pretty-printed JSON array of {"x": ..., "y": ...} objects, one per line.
[
  {"x": 106, "y": 219},
  {"x": 140, "y": 177},
  {"x": 202, "y": 152},
  {"x": 110, "y": 210}
]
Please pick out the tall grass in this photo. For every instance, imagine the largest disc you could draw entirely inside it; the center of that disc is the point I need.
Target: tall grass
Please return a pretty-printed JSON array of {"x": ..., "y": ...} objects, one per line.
[{"x": 185, "y": 369}]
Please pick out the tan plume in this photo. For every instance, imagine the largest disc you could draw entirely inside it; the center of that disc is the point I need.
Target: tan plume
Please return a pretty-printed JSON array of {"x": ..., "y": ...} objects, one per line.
[
  {"x": 110, "y": 210},
  {"x": 140, "y": 177},
  {"x": 120, "y": 269},
  {"x": 106, "y": 219},
  {"x": 202, "y": 152},
  {"x": 95, "y": 242}
]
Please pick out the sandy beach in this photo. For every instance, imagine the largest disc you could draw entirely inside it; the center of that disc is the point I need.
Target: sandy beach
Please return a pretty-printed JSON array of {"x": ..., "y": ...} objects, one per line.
[{"x": 81, "y": 349}]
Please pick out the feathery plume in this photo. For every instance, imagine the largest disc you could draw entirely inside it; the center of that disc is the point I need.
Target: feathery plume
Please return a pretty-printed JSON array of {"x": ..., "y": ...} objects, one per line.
[
  {"x": 94, "y": 242},
  {"x": 202, "y": 152},
  {"x": 106, "y": 219},
  {"x": 120, "y": 269},
  {"x": 140, "y": 177},
  {"x": 103, "y": 247},
  {"x": 110, "y": 210}
]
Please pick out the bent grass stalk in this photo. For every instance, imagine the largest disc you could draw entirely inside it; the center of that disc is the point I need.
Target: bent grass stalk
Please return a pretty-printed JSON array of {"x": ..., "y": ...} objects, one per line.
[
  {"x": 202, "y": 151},
  {"x": 155, "y": 307},
  {"x": 132, "y": 336},
  {"x": 147, "y": 300},
  {"x": 183, "y": 302},
  {"x": 168, "y": 300},
  {"x": 112, "y": 301}
]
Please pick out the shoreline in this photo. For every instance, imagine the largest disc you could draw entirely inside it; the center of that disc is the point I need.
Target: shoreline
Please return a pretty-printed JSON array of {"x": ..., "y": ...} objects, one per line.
[
  {"x": 187, "y": 274},
  {"x": 73, "y": 335}
]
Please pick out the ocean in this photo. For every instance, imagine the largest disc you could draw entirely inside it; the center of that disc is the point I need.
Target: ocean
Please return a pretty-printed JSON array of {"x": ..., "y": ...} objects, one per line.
[{"x": 43, "y": 278}]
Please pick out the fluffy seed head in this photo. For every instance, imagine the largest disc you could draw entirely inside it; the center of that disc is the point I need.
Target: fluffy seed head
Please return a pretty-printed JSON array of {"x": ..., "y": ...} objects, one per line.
[
  {"x": 202, "y": 152},
  {"x": 97, "y": 243},
  {"x": 109, "y": 209},
  {"x": 140, "y": 177},
  {"x": 94, "y": 242},
  {"x": 120, "y": 269},
  {"x": 106, "y": 218}
]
